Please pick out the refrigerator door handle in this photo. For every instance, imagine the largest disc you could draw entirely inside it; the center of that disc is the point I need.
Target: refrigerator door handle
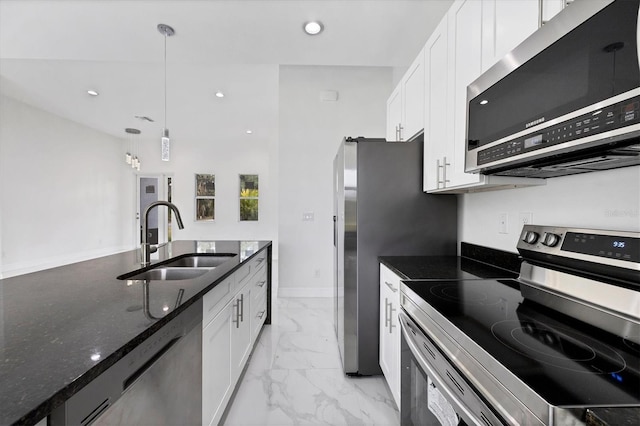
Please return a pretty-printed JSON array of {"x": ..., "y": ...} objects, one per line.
[{"x": 335, "y": 230}]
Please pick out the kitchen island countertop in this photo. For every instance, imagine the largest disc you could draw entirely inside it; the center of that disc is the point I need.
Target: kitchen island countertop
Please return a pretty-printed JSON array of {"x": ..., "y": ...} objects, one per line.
[{"x": 60, "y": 328}]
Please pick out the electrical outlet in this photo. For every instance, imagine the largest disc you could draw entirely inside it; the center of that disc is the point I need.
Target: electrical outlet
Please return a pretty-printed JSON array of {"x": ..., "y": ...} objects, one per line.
[
  {"x": 503, "y": 219},
  {"x": 525, "y": 218},
  {"x": 307, "y": 217}
]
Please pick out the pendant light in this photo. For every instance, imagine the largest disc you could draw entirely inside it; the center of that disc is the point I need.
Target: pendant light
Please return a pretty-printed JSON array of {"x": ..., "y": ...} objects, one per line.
[
  {"x": 166, "y": 31},
  {"x": 131, "y": 157}
]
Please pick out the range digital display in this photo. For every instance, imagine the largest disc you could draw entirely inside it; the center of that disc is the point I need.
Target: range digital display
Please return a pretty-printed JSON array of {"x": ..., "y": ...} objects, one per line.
[{"x": 622, "y": 248}]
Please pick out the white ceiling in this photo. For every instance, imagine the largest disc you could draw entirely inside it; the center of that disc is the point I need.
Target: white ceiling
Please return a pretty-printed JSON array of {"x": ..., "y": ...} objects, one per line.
[{"x": 52, "y": 51}]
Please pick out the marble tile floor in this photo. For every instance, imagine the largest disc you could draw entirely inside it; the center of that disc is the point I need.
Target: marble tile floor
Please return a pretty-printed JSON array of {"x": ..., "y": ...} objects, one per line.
[{"x": 294, "y": 376}]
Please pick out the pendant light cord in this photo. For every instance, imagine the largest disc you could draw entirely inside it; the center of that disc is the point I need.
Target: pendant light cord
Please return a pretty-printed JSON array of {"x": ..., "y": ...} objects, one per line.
[{"x": 165, "y": 80}]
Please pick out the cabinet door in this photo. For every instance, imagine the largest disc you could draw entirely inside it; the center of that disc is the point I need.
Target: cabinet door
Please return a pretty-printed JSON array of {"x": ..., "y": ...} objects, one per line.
[
  {"x": 551, "y": 8},
  {"x": 413, "y": 99},
  {"x": 506, "y": 24},
  {"x": 389, "y": 330},
  {"x": 437, "y": 138},
  {"x": 394, "y": 114},
  {"x": 240, "y": 331},
  {"x": 217, "y": 380},
  {"x": 465, "y": 61}
]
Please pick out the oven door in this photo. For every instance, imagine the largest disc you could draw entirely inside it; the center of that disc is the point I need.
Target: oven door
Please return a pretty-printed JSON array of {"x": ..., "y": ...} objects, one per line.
[
  {"x": 433, "y": 392},
  {"x": 422, "y": 401}
]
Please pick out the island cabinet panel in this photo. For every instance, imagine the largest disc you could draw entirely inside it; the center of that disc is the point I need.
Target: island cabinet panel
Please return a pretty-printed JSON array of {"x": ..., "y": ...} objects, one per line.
[
  {"x": 216, "y": 363},
  {"x": 238, "y": 310}
]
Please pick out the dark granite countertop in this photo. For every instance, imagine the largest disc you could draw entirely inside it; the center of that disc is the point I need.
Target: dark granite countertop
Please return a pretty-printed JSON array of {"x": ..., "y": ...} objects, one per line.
[
  {"x": 476, "y": 262},
  {"x": 60, "y": 328}
]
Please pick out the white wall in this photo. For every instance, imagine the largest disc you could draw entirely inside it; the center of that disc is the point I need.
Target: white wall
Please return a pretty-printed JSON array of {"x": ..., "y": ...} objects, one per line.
[
  {"x": 310, "y": 133},
  {"x": 226, "y": 160},
  {"x": 599, "y": 200},
  {"x": 64, "y": 194}
]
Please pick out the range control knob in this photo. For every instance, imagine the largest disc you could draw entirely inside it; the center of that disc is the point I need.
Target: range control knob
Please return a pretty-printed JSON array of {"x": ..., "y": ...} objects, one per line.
[
  {"x": 530, "y": 237},
  {"x": 550, "y": 239}
]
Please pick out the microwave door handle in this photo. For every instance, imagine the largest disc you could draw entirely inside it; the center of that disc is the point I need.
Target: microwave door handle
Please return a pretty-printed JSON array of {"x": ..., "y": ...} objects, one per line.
[{"x": 431, "y": 373}]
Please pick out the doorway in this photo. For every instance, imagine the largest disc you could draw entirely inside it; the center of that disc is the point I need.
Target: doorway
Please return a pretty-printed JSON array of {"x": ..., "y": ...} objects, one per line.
[{"x": 149, "y": 189}]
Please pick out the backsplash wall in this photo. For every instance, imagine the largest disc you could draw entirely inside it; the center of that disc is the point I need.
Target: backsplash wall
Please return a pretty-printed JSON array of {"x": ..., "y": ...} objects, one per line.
[{"x": 601, "y": 200}]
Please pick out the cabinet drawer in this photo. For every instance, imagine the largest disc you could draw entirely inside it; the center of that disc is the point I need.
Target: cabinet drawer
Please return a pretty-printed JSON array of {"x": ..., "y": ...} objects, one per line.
[
  {"x": 259, "y": 284},
  {"x": 216, "y": 298},
  {"x": 250, "y": 269},
  {"x": 259, "y": 314}
]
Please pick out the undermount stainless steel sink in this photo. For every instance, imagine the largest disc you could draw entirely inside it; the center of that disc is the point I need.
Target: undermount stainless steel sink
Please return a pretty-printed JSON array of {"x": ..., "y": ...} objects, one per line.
[
  {"x": 183, "y": 268},
  {"x": 200, "y": 261},
  {"x": 165, "y": 273}
]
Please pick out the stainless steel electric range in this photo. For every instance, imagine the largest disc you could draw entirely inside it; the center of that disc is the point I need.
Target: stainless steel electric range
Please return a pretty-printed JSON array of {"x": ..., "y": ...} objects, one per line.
[{"x": 551, "y": 347}]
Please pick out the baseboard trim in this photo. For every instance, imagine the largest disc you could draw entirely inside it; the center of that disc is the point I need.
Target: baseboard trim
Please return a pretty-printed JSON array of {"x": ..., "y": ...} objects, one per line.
[{"x": 305, "y": 292}]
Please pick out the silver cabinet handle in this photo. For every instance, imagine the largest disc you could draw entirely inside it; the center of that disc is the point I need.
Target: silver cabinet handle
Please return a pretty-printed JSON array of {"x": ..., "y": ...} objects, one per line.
[
  {"x": 242, "y": 307},
  {"x": 444, "y": 171},
  {"x": 541, "y": 20},
  {"x": 400, "y": 129},
  {"x": 438, "y": 181},
  {"x": 395, "y": 290},
  {"x": 386, "y": 312},
  {"x": 391, "y": 325},
  {"x": 236, "y": 307}
]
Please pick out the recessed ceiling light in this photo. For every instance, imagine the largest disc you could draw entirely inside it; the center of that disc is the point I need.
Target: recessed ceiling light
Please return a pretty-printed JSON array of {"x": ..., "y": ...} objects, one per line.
[
  {"x": 313, "y": 27},
  {"x": 93, "y": 92},
  {"x": 484, "y": 102},
  {"x": 219, "y": 94},
  {"x": 249, "y": 132}
]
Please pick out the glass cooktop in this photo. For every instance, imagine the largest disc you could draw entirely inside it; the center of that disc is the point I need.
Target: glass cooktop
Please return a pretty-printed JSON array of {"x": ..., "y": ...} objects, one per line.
[{"x": 565, "y": 361}]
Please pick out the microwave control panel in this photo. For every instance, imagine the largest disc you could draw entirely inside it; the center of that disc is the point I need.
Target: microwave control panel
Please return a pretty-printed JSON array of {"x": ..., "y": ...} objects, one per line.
[{"x": 612, "y": 117}]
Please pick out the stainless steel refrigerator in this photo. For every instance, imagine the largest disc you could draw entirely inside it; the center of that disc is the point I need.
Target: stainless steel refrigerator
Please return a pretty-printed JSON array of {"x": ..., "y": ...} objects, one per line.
[{"x": 379, "y": 210}]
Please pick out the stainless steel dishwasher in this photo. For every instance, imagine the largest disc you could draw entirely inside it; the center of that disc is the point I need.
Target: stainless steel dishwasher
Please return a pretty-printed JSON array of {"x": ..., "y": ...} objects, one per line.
[{"x": 157, "y": 383}]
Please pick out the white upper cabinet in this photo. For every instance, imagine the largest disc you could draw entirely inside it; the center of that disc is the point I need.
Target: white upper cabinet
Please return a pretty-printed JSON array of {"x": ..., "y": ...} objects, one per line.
[
  {"x": 394, "y": 114},
  {"x": 551, "y": 8},
  {"x": 405, "y": 106},
  {"x": 506, "y": 24},
  {"x": 465, "y": 65},
  {"x": 437, "y": 140},
  {"x": 413, "y": 99},
  {"x": 471, "y": 37}
]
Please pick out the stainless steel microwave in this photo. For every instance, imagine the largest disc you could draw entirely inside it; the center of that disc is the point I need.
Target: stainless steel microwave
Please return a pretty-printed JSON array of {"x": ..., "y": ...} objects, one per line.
[{"x": 565, "y": 101}]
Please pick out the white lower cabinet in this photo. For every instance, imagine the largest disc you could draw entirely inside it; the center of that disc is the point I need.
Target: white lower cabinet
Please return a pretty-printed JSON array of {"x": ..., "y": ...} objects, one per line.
[
  {"x": 240, "y": 331},
  {"x": 216, "y": 361},
  {"x": 390, "y": 330},
  {"x": 233, "y": 314}
]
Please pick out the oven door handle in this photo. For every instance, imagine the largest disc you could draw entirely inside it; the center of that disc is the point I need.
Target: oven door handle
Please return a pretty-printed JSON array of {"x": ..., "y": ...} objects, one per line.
[{"x": 453, "y": 399}]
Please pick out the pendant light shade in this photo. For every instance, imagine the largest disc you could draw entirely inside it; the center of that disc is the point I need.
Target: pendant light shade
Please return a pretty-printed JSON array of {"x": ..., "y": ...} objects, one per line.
[{"x": 166, "y": 31}]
